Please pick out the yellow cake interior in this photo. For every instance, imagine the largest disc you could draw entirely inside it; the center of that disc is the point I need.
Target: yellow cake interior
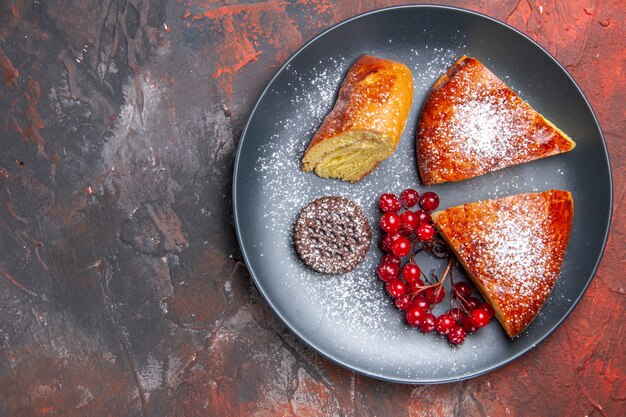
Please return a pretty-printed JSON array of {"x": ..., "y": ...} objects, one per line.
[{"x": 349, "y": 156}]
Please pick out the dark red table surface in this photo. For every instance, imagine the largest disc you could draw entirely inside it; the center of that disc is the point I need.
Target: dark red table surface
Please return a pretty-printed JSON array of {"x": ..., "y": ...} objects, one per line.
[{"x": 122, "y": 289}]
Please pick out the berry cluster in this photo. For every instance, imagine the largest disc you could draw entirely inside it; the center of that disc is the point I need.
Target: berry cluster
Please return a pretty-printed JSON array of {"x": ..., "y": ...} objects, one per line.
[{"x": 407, "y": 234}]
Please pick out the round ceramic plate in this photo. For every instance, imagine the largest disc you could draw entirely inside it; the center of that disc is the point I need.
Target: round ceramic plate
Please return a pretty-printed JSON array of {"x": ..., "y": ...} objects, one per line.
[{"x": 349, "y": 318}]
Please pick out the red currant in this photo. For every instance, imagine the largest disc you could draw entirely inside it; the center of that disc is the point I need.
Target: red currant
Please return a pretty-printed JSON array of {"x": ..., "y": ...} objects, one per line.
[
  {"x": 390, "y": 222},
  {"x": 401, "y": 247},
  {"x": 423, "y": 216},
  {"x": 444, "y": 323},
  {"x": 429, "y": 201},
  {"x": 468, "y": 325},
  {"x": 391, "y": 258},
  {"x": 396, "y": 288},
  {"x": 425, "y": 231},
  {"x": 471, "y": 303},
  {"x": 387, "y": 241},
  {"x": 388, "y": 271},
  {"x": 389, "y": 202},
  {"x": 409, "y": 197},
  {"x": 421, "y": 302},
  {"x": 403, "y": 302},
  {"x": 463, "y": 289},
  {"x": 456, "y": 335},
  {"x": 414, "y": 316},
  {"x": 488, "y": 308},
  {"x": 417, "y": 285},
  {"x": 411, "y": 272},
  {"x": 479, "y": 317},
  {"x": 428, "y": 323},
  {"x": 408, "y": 221},
  {"x": 457, "y": 314},
  {"x": 435, "y": 295}
]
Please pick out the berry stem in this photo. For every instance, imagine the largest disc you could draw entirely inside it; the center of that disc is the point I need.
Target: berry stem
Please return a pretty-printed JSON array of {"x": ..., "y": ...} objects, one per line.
[
  {"x": 447, "y": 270},
  {"x": 439, "y": 283},
  {"x": 455, "y": 295}
]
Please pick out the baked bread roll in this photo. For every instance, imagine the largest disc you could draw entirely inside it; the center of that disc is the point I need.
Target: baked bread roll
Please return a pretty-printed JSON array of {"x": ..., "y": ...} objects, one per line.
[
  {"x": 473, "y": 123},
  {"x": 366, "y": 122},
  {"x": 512, "y": 248}
]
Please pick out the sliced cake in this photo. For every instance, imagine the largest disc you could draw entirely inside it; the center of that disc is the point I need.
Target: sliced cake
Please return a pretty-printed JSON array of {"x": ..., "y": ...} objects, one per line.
[
  {"x": 512, "y": 248},
  {"x": 366, "y": 123},
  {"x": 472, "y": 123}
]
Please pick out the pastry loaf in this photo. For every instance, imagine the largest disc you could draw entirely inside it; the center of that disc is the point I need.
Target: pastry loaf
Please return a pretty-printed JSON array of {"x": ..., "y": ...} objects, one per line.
[
  {"x": 512, "y": 248},
  {"x": 366, "y": 122},
  {"x": 473, "y": 123}
]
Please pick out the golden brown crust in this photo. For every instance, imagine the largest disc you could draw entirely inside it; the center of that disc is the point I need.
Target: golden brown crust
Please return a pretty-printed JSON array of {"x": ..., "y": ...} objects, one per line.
[
  {"x": 473, "y": 123},
  {"x": 375, "y": 96},
  {"x": 512, "y": 249}
]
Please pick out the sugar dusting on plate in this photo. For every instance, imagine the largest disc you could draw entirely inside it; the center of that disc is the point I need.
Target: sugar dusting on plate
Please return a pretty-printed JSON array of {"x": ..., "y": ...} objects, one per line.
[{"x": 355, "y": 301}]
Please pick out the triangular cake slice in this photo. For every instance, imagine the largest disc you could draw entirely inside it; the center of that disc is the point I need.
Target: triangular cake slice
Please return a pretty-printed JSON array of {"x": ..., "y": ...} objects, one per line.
[
  {"x": 512, "y": 248},
  {"x": 472, "y": 123}
]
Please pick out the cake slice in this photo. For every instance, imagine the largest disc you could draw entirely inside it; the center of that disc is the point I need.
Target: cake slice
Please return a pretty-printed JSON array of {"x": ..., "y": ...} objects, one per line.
[
  {"x": 472, "y": 123},
  {"x": 366, "y": 122},
  {"x": 512, "y": 248}
]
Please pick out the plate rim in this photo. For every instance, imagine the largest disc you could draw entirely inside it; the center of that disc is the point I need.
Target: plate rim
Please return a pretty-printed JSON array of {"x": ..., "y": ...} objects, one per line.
[{"x": 311, "y": 344}]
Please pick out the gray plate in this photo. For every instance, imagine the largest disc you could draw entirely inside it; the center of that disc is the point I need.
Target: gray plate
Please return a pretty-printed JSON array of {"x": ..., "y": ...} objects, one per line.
[{"x": 349, "y": 318}]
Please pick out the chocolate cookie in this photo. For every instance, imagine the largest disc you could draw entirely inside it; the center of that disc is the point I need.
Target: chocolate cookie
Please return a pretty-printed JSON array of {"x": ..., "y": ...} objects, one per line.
[{"x": 332, "y": 235}]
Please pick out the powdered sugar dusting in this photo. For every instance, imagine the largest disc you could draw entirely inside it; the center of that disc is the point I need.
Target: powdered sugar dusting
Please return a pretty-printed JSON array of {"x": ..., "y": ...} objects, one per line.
[
  {"x": 428, "y": 64},
  {"x": 311, "y": 94},
  {"x": 485, "y": 129},
  {"x": 516, "y": 252}
]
